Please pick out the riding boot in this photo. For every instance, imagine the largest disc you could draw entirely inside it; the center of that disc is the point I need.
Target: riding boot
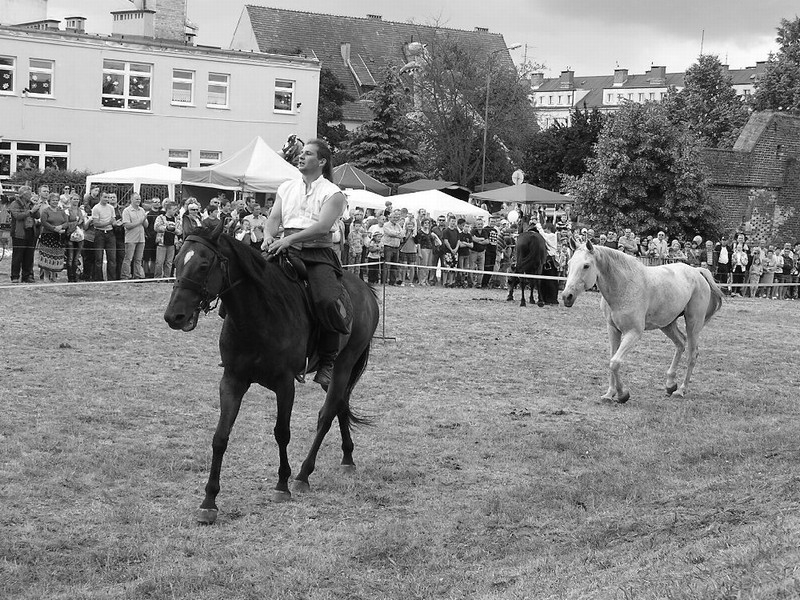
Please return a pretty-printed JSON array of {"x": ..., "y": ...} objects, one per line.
[{"x": 327, "y": 350}]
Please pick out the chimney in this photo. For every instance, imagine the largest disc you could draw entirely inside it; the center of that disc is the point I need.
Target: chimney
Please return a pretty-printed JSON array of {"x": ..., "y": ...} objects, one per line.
[
  {"x": 537, "y": 79},
  {"x": 345, "y": 49},
  {"x": 375, "y": 17},
  {"x": 620, "y": 77},
  {"x": 76, "y": 24},
  {"x": 170, "y": 19},
  {"x": 567, "y": 80},
  {"x": 482, "y": 29},
  {"x": 761, "y": 68},
  {"x": 657, "y": 75}
]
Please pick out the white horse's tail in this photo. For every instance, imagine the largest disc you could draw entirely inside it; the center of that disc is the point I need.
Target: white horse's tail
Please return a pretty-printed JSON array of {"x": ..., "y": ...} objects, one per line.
[{"x": 715, "y": 302}]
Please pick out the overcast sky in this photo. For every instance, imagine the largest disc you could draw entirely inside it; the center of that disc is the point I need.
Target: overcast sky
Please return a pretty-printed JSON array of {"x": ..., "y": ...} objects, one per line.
[{"x": 592, "y": 37}]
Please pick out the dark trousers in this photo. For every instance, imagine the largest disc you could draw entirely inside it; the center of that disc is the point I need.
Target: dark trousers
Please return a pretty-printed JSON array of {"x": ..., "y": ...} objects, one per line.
[
  {"x": 491, "y": 259},
  {"x": 105, "y": 240},
  {"x": 120, "y": 251},
  {"x": 73, "y": 253},
  {"x": 88, "y": 259},
  {"x": 22, "y": 256},
  {"x": 390, "y": 273}
]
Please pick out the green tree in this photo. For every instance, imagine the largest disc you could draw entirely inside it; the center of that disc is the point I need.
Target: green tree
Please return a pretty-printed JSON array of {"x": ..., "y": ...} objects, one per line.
[
  {"x": 647, "y": 175},
  {"x": 708, "y": 105},
  {"x": 779, "y": 87},
  {"x": 383, "y": 147},
  {"x": 332, "y": 96},
  {"x": 562, "y": 149}
]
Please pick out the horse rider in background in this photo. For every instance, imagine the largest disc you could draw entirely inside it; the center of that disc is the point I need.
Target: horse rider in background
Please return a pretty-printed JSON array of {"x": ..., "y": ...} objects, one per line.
[{"x": 307, "y": 209}]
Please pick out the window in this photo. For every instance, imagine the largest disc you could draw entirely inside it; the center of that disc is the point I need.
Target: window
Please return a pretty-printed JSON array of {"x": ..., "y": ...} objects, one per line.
[
  {"x": 7, "y": 64},
  {"x": 40, "y": 77},
  {"x": 209, "y": 157},
  {"x": 15, "y": 156},
  {"x": 182, "y": 87},
  {"x": 641, "y": 97},
  {"x": 284, "y": 95},
  {"x": 126, "y": 85},
  {"x": 178, "y": 158},
  {"x": 550, "y": 99},
  {"x": 652, "y": 95},
  {"x": 559, "y": 98},
  {"x": 218, "y": 84},
  {"x": 609, "y": 98}
]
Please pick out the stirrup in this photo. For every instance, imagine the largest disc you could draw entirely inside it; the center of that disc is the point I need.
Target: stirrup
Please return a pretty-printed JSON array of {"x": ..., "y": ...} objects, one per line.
[{"x": 301, "y": 377}]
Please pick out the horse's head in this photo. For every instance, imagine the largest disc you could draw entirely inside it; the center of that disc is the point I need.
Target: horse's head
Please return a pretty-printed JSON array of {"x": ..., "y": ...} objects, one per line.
[
  {"x": 582, "y": 273},
  {"x": 201, "y": 271}
]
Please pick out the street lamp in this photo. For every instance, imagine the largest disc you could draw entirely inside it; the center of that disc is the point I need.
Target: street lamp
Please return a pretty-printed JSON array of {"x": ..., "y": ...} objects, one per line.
[{"x": 486, "y": 108}]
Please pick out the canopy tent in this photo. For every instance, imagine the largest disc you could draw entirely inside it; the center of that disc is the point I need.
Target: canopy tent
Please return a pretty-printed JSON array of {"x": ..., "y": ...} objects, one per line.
[
  {"x": 438, "y": 203},
  {"x": 364, "y": 199},
  {"x": 524, "y": 193},
  {"x": 423, "y": 185},
  {"x": 348, "y": 176},
  {"x": 152, "y": 174},
  {"x": 254, "y": 168}
]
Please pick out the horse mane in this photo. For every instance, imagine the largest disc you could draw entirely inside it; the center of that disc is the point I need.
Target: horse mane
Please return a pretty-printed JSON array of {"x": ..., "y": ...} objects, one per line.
[
  {"x": 615, "y": 261},
  {"x": 273, "y": 286}
]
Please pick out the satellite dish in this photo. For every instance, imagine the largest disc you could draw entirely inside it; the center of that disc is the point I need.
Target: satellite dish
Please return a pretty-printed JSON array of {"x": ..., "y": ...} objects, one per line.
[
  {"x": 513, "y": 216},
  {"x": 518, "y": 177}
]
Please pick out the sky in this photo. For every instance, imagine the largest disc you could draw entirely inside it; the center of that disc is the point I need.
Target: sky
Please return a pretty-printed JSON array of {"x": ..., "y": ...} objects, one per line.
[{"x": 590, "y": 37}]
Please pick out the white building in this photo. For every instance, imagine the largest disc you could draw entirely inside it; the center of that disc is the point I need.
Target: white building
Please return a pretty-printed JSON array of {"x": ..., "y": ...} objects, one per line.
[{"x": 143, "y": 94}]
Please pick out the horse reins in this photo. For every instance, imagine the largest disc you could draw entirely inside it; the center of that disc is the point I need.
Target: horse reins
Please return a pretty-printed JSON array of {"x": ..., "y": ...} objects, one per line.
[{"x": 201, "y": 288}]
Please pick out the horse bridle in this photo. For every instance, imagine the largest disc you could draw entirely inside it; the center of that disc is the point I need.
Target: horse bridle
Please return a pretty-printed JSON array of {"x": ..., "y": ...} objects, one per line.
[{"x": 207, "y": 297}]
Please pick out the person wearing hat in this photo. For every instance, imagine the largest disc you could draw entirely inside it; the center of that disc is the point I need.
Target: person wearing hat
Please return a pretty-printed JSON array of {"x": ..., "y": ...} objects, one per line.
[{"x": 24, "y": 211}]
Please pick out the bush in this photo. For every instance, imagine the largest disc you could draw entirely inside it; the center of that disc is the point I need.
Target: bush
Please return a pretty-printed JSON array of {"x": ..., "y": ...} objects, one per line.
[{"x": 55, "y": 178}]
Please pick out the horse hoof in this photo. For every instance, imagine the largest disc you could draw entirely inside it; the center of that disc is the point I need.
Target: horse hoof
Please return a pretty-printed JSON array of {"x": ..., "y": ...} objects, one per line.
[
  {"x": 540, "y": 304},
  {"x": 301, "y": 487},
  {"x": 679, "y": 394},
  {"x": 605, "y": 398},
  {"x": 671, "y": 389},
  {"x": 207, "y": 516},
  {"x": 509, "y": 299},
  {"x": 624, "y": 398},
  {"x": 347, "y": 469},
  {"x": 281, "y": 496}
]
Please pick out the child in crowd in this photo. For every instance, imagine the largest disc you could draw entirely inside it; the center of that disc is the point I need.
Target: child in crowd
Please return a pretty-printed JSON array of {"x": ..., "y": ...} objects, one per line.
[
  {"x": 756, "y": 270},
  {"x": 374, "y": 257},
  {"x": 355, "y": 244}
]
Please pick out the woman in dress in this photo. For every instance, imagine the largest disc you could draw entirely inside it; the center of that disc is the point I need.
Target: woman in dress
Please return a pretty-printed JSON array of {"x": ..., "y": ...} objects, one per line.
[{"x": 51, "y": 241}]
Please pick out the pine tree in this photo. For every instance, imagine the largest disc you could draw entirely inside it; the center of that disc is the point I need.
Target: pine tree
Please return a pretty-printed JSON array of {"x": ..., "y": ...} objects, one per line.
[
  {"x": 332, "y": 95},
  {"x": 383, "y": 146}
]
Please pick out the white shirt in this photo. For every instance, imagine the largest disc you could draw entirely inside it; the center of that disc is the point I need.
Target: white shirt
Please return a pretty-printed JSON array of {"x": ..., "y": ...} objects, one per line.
[{"x": 300, "y": 208}]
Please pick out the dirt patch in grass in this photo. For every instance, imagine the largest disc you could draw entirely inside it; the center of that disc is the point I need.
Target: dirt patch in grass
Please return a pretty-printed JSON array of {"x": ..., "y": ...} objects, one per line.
[{"x": 492, "y": 470}]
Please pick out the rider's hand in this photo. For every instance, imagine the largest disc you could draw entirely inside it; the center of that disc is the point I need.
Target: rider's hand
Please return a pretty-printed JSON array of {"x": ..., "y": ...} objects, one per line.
[{"x": 268, "y": 239}]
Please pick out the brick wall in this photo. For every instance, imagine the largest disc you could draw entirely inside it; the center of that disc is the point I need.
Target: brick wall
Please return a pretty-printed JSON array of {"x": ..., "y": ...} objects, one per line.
[
  {"x": 758, "y": 182},
  {"x": 170, "y": 19}
]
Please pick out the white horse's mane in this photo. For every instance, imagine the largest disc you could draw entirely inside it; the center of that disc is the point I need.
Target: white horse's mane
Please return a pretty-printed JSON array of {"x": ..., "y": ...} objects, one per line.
[{"x": 616, "y": 263}]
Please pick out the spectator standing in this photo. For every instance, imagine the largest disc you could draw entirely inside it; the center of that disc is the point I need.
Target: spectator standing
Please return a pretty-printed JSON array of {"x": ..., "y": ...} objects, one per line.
[
  {"x": 427, "y": 242},
  {"x": 211, "y": 220},
  {"x": 660, "y": 248},
  {"x": 153, "y": 208},
  {"x": 450, "y": 243},
  {"x": 134, "y": 221},
  {"x": 92, "y": 198},
  {"x": 477, "y": 254},
  {"x": 119, "y": 235},
  {"x": 787, "y": 267},
  {"x": 55, "y": 222},
  {"x": 723, "y": 254},
  {"x": 676, "y": 253},
  {"x": 464, "y": 248},
  {"x": 258, "y": 225},
  {"x": 87, "y": 253},
  {"x": 24, "y": 211},
  {"x": 374, "y": 257},
  {"x": 355, "y": 246},
  {"x": 491, "y": 235},
  {"x": 770, "y": 265},
  {"x": 103, "y": 218},
  {"x": 408, "y": 252},
  {"x": 393, "y": 233},
  {"x": 75, "y": 236},
  {"x": 191, "y": 219},
  {"x": 437, "y": 229},
  {"x": 627, "y": 243},
  {"x": 754, "y": 273},
  {"x": 740, "y": 260},
  {"x": 548, "y": 288},
  {"x": 166, "y": 227}
]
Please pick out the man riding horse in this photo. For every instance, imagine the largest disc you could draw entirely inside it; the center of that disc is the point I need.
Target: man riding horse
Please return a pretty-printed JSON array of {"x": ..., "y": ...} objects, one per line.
[{"x": 307, "y": 209}]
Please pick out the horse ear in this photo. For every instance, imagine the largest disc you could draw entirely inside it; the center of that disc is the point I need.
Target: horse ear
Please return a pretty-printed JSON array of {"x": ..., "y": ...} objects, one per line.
[
  {"x": 218, "y": 229},
  {"x": 573, "y": 245},
  {"x": 589, "y": 246}
]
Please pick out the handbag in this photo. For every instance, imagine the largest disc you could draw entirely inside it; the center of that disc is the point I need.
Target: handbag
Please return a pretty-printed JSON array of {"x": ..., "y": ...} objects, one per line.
[{"x": 78, "y": 235}]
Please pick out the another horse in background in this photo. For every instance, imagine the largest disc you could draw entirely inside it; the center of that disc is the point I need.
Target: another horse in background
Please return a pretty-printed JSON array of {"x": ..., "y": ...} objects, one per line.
[
  {"x": 291, "y": 149},
  {"x": 531, "y": 254},
  {"x": 268, "y": 337},
  {"x": 637, "y": 298}
]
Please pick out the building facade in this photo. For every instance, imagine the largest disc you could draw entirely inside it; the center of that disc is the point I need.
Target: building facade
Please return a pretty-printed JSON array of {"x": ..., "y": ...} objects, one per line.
[
  {"x": 71, "y": 100},
  {"x": 556, "y": 98}
]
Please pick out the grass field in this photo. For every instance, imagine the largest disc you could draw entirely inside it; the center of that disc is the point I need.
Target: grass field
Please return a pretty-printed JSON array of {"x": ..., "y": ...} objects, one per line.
[{"x": 491, "y": 471}]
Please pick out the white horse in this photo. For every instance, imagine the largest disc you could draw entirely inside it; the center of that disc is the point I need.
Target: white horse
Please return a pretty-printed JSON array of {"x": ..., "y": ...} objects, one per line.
[{"x": 637, "y": 298}]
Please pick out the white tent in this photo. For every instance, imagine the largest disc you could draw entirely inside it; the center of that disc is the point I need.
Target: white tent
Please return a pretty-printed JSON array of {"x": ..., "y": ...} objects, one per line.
[
  {"x": 255, "y": 168},
  {"x": 364, "y": 199},
  {"x": 438, "y": 203},
  {"x": 154, "y": 174}
]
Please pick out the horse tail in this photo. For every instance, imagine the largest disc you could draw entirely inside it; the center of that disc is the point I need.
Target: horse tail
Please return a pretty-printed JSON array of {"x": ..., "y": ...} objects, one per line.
[
  {"x": 715, "y": 302},
  {"x": 350, "y": 417}
]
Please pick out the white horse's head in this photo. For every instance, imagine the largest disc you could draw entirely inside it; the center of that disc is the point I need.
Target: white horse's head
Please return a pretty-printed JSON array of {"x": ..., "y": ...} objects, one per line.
[{"x": 581, "y": 274}]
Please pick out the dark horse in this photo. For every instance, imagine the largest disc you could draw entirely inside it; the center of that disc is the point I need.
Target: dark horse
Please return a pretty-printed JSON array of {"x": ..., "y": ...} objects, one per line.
[
  {"x": 267, "y": 334},
  {"x": 531, "y": 254}
]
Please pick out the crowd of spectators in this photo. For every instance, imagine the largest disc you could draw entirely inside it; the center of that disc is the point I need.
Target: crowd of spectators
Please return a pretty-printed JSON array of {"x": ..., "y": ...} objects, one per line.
[{"x": 95, "y": 238}]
